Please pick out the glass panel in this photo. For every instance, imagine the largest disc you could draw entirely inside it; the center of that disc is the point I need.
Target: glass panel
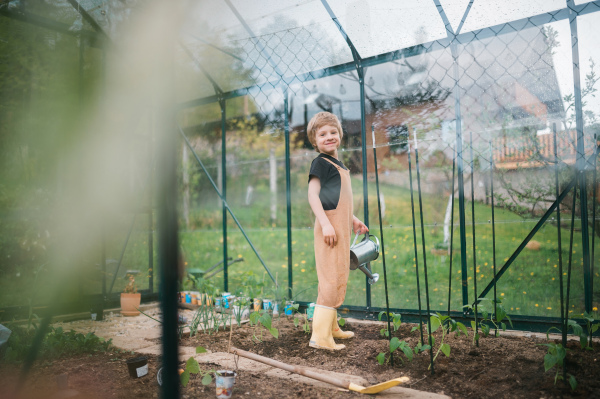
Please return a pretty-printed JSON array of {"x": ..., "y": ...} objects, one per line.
[
  {"x": 201, "y": 234},
  {"x": 412, "y": 98},
  {"x": 288, "y": 41},
  {"x": 589, "y": 56},
  {"x": 38, "y": 96},
  {"x": 191, "y": 82},
  {"x": 377, "y": 27},
  {"x": 488, "y": 13},
  {"x": 512, "y": 88}
]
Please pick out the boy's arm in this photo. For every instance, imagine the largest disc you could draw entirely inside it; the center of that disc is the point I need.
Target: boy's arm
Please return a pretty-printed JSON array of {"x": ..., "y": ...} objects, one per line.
[{"x": 314, "y": 189}]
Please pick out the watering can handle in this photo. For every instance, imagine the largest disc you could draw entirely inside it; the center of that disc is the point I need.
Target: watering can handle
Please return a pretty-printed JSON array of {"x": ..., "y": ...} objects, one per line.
[{"x": 355, "y": 238}]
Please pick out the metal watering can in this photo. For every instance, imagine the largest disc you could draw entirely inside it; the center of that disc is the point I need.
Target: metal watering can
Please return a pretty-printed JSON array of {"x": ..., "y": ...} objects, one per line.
[{"x": 362, "y": 253}]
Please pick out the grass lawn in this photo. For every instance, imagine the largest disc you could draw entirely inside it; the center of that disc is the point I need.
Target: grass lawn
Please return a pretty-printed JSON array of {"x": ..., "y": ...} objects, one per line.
[{"x": 529, "y": 287}]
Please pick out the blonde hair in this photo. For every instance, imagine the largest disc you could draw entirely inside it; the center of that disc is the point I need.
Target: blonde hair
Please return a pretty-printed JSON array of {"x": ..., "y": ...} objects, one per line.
[{"x": 318, "y": 121}]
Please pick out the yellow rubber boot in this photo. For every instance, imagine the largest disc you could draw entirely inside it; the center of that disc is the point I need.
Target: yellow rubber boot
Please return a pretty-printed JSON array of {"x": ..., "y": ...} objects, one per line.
[
  {"x": 321, "y": 332},
  {"x": 337, "y": 332}
]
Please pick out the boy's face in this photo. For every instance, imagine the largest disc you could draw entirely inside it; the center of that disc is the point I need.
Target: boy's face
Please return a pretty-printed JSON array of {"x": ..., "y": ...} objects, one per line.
[{"x": 328, "y": 140}]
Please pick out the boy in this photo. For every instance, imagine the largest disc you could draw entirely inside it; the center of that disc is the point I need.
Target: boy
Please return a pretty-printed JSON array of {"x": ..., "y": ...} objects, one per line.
[{"x": 330, "y": 198}]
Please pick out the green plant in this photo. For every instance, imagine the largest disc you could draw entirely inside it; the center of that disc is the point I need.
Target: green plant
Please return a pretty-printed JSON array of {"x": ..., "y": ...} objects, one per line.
[
  {"x": 395, "y": 343},
  {"x": 555, "y": 358},
  {"x": 131, "y": 287},
  {"x": 262, "y": 318},
  {"x": 591, "y": 329},
  {"x": 303, "y": 318},
  {"x": 576, "y": 329},
  {"x": 396, "y": 320},
  {"x": 192, "y": 367},
  {"x": 487, "y": 306},
  {"x": 56, "y": 343},
  {"x": 437, "y": 320}
]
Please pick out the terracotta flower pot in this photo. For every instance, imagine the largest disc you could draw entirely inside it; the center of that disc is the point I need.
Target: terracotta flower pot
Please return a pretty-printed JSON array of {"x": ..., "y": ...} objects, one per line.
[{"x": 129, "y": 303}]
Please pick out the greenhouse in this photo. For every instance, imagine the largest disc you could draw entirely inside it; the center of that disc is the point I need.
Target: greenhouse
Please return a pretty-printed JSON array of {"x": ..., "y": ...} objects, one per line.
[{"x": 164, "y": 153}]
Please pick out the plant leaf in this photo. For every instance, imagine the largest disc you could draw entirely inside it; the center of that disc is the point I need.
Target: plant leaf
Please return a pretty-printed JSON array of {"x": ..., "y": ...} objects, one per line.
[
  {"x": 435, "y": 323},
  {"x": 572, "y": 382},
  {"x": 381, "y": 358},
  {"x": 549, "y": 361},
  {"x": 200, "y": 349},
  {"x": 445, "y": 349},
  {"x": 414, "y": 328},
  {"x": 192, "y": 366},
  {"x": 425, "y": 348},
  {"x": 274, "y": 332},
  {"x": 380, "y": 314},
  {"x": 207, "y": 379},
  {"x": 184, "y": 378},
  {"x": 394, "y": 344},
  {"x": 407, "y": 352},
  {"x": 342, "y": 322},
  {"x": 462, "y": 328}
]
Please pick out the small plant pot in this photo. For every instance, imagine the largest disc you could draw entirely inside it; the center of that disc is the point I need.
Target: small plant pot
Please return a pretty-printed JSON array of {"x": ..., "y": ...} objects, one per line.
[
  {"x": 138, "y": 367},
  {"x": 288, "y": 308},
  {"x": 267, "y": 304},
  {"x": 257, "y": 304},
  {"x": 130, "y": 303},
  {"x": 310, "y": 311},
  {"x": 225, "y": 379}
]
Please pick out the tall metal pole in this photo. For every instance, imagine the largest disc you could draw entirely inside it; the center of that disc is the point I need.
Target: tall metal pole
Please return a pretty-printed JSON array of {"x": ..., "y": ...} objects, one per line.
[
  {"x": 150, "y": 209},
  {"x": 363, "y": 135},
  {"x": 493, "y": 229},
  {"x": 223, "y": 105},
  {"x": 414, "y": 228},
  {"x": 474, "y": 246},
  {"x": 451, "y": 232},
  {"x": 288, "y": 190},
  {"x": 430, "y": 333}
]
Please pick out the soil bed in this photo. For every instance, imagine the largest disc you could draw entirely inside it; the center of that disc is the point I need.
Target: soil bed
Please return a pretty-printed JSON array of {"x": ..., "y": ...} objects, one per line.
[{"x": 503, "y": 367}]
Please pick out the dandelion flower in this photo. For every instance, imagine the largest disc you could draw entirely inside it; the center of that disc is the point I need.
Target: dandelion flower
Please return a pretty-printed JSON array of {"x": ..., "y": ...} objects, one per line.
[
  {"x": 536, "y": 305},
  {"x": 302, "y": 270},
  {"x": 549, "y": 308},
  {"x": 303, "y": 262},
  {"x": 531, "y": 273},
  {"x": 502, "y": 294}
]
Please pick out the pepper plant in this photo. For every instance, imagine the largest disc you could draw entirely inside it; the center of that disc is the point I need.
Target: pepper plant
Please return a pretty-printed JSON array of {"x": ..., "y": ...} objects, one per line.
[
  {"x": 263, "y": 318},
  {"x": 395, "y": 344},
  {"x": 192, "y": 367},
  {"x": 396, "y": 320},
  {"x": 488, "y": 307},
  {"x": 457, "y": 327}
]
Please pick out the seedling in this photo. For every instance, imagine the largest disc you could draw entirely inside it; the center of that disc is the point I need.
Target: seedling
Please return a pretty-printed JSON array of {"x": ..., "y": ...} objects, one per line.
[
  {"x": 488, "y": 316},
  {"x": 438, "y": 320},
  {"x": 555, "y": 358},
  {"x": 395, "y": 343},
  {"x": 396, "y": 320},
  {"x": 262, "y": 318},
  {"x": 578, "y": 330},
  {"x": 192, "y": 367},
  {"x": 303, "y": 318}
]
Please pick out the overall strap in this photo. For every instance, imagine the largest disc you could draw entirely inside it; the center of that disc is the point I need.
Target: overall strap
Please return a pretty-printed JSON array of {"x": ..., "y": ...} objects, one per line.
[{"x": 338, "y": 167}]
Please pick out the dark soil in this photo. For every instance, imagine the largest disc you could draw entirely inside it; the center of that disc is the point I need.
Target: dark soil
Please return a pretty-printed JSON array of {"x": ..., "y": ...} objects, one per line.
[{"x": 502, "y": 367}]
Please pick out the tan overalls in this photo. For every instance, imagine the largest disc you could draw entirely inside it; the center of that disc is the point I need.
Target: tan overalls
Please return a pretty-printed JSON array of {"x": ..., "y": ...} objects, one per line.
[{"x": 333, "y": 264}]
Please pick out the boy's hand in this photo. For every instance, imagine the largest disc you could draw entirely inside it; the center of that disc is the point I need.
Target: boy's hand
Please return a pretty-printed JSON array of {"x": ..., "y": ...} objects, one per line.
[
  {"x": 329, "y": 235},
  {"x": 358, "y": 226}
]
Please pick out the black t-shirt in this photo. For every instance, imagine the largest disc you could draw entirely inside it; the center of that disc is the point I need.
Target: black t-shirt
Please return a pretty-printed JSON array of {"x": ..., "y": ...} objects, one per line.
[{"x": 331, "y": 182}]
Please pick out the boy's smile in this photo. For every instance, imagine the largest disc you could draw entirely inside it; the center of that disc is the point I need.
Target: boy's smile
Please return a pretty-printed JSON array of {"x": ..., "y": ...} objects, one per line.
[{"x": 328, "y": 140}]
